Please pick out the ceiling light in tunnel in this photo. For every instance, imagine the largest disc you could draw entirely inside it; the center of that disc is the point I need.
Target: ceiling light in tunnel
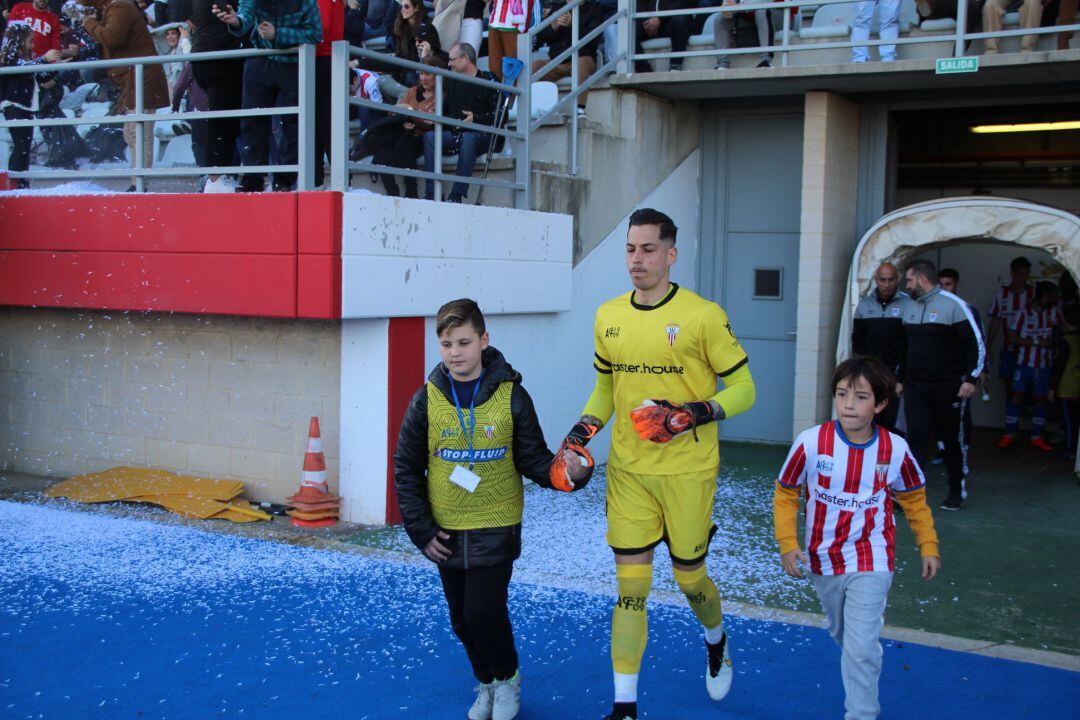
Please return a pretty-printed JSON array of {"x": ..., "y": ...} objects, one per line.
[{"x": 1027, "y": 127}]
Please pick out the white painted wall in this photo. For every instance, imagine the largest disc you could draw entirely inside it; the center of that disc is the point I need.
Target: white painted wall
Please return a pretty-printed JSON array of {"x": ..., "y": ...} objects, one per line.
[
  {"x": 554, "y": 351},
  {"x": 404, "y": 258},
  {"x": 365, "y": 383}
]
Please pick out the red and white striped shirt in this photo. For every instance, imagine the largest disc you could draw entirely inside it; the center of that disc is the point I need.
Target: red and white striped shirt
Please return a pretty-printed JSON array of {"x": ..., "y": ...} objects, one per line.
[
  {"x": 1008, "y": 304},
  {"x": 1036, "y": 325},
  {"x": 849, "y": 510}
]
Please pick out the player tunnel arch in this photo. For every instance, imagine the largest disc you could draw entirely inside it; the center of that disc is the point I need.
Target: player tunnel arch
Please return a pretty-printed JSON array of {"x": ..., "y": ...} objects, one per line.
[{"x": 913, "y": 230}]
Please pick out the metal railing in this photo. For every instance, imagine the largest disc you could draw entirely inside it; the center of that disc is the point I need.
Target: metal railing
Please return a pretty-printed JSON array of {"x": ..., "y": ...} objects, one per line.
[
  {"x": 959, "y": 38},
  {"x": 526, "y": 42},
  {"x": 306, "y": 120},
  {"x": 341, "y": 166}
]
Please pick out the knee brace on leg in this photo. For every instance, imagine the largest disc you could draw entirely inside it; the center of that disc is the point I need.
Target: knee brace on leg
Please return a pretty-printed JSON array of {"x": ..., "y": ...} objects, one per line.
[
  {"x": 702, "y": 595},
  {"x": 629, "y": 621}
]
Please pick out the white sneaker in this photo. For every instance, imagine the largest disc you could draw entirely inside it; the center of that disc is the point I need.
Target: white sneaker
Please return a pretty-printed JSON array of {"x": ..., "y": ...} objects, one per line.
[
  {"x": 481, "y": 709},
  {"x": 507, "y": 699},
  {"x": 223, "y": 184},
  {"x": 718, "y": 672}
]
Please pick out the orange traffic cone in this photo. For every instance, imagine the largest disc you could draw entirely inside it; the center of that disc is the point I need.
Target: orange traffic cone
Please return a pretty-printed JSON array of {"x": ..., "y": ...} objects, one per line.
[{"x": 314, "y": 505}]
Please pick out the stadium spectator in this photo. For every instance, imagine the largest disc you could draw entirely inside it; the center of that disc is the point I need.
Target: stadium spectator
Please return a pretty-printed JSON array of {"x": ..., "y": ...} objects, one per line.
[
  {"x": 396, "y": 140},
  {"x": 725, "y": 35},
  {"x": 679, "y": 27},
  {"x": 944, "y": 359},
  {"x": 878, "y": 329},
  {"x": 119, "y": 29},
  {"x": 44, "y": 22},
  {"x": 508, "y": 19},
  {"x": 1009, "y": 300},
  {"x": 271, "y": 81},
  {"x": 1033, "y": 333},
  {"x": 20, "y": 94},
  {"x": 79, "y": 43},
  {"x": 369, "y": 19},
  {"x": 888, "y": 22},
  {"x": 197, "y": 101},
  {"x": 993, "y": 13},
  {"x": 178, "y": 10},
  {"x": 178, "y": 42},
  {"x": 413, "y": 39},
  {"x": 1066, "y": 15},
  {"x": 332, "y": 15},
  {"x": 941, "y": 9},
  {"x": 559, "y": 37},
  {"x": 223, "y": 82},
  {"x": 447, "y": 19},
  {"x": 154, "y": 13},
  {"x": 468, "y": 102}
]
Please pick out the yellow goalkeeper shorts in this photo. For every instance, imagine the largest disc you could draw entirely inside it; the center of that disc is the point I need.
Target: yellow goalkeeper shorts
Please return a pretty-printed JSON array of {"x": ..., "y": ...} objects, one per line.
[{"x": 642, "y": 510}]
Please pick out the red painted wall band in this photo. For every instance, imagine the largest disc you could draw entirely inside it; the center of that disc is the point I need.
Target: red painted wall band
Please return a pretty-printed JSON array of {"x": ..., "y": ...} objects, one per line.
[
  {"x": 406, "y": 374},
  {"x": 222, "y": 254},
  {"x": 223, "y": 284}
]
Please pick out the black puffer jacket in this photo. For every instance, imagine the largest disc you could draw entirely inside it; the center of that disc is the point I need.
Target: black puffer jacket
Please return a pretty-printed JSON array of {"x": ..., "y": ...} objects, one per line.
[{"x": 470, "y": 548}]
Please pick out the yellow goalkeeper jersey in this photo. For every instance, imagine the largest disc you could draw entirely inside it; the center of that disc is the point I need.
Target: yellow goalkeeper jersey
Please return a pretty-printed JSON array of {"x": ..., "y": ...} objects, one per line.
[{"x": 673, "y": 351}]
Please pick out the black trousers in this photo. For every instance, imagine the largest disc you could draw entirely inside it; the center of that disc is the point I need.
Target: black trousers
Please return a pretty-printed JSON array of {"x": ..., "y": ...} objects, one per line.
[
  {"x": 401, "y": 151},
  {"x": 477, "y": 599},
  {"x": 934, "y": 411},
  {"x": 322, "y": 116},
  {"x": 267, "y": 84},
  {"x": 678, "y": 28},
  {"x": 223, "y": 82},
  {"x": 21, "y": 140}
]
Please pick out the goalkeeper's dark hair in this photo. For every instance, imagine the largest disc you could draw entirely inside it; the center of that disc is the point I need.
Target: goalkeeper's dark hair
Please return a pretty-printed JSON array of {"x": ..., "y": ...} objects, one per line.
[
  {"x": 458, "y": 312},
  {"x": 880, "y": 379},
  {"x": 649, "y": 216}
]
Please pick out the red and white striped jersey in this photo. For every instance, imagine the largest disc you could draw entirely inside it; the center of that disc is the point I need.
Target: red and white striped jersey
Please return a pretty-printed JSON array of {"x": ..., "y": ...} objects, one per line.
[
  {"x": 1008, "y": 304},
  {"x": 849, "y": 509},
  {"x": 1036, "y": 325}
]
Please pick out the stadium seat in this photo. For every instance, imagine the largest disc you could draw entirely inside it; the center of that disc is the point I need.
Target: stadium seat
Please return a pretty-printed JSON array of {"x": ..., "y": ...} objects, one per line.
[
  {"x": 545, "y": 95},
  {"x": 178, "y": 153},
  {"x": 705, "y": 41},
  {"x": 658, "y": 45}
]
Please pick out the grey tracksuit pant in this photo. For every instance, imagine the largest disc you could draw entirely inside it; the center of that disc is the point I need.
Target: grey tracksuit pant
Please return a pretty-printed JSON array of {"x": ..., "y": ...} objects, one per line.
[{"x": 854, "y": 605}]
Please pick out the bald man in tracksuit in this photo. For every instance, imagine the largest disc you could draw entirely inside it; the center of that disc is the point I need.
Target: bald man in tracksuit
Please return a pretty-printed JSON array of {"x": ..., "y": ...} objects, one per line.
[{"x": 945, "y": 356}]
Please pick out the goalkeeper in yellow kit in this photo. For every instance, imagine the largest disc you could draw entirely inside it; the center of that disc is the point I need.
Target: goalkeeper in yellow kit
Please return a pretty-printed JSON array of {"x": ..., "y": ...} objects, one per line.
[{"x": 659, "y": 352}]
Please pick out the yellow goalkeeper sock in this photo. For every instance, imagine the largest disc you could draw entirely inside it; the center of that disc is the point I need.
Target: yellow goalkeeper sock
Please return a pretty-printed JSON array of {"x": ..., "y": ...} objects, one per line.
[
  {"x": 629, "y": 621},
  {"x": 702, "y": 595}
]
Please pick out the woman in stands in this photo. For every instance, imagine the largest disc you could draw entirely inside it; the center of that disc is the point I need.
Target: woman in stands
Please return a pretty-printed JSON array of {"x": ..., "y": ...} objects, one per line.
[
  {"x": 414, "y": 38},
  {"x": 399, "y": 141}
]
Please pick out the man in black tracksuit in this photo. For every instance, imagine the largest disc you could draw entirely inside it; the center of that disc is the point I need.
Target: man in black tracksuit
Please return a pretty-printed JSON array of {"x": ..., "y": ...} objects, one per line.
[
  {"x": 944, "y": 358},
  {"x": 878, "y": 329}
]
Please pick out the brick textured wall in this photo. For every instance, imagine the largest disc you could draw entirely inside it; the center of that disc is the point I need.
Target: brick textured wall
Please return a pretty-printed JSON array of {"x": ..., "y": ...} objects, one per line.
[{"x": 211, "y": 396}]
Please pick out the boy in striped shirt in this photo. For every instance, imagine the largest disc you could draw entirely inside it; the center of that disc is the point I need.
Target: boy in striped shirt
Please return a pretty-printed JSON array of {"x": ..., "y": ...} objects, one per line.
[
  {"x": 851, "y": 469},
  {"x": 1033, "y": 334}
]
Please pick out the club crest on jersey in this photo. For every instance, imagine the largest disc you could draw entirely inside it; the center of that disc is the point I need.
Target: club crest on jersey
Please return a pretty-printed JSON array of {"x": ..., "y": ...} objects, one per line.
[
  {"x": 881, "y": 476},
  {"x": 933, "y": 316},
  {"x": 825, "y": 465},
  {"x": 895, "y": 311},
  {"x": 672, "y": 333},
  {"x": 489, "y": 430}
]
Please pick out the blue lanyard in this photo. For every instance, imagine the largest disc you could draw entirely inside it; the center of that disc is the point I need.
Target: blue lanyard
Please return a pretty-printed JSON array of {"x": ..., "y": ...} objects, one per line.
[{"x": 471, "y": 430}]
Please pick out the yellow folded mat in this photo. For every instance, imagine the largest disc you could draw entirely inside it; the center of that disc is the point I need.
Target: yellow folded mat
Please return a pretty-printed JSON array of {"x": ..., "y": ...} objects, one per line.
[
  {"x": 185, "y": 495},
  {"x": 125, "y": 483}
]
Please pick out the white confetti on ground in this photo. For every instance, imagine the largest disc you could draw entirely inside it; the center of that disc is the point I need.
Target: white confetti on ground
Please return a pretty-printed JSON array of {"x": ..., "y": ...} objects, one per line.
[{"x": 82, "y": 187}]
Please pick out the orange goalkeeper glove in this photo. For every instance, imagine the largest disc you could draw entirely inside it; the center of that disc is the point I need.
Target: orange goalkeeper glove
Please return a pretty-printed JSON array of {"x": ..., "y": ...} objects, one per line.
[
  {"x": 659, "y": 420},
  {"x": 560, "y": 470},
  {"x": 576, "y": 440}
]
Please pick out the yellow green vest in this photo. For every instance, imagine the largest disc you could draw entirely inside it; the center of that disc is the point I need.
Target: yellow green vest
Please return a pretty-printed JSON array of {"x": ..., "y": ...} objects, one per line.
[
  {"x": 499, "y": 498},
  {"x": 1069, "y": 385}
]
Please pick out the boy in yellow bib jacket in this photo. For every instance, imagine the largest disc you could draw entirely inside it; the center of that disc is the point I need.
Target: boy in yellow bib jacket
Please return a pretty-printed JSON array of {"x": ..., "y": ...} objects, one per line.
[{"x": 467, "y": 438}]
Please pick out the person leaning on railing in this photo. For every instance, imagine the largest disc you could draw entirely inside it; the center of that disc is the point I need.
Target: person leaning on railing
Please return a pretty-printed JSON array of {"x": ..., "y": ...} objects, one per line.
[
  {"x": 119, "y": 29},
  {"x": 462, "y": 101},
  {"x": 271, "y": 81},
  {"x": 19, "y": 93},
  {"x": 559, "y": 37}
]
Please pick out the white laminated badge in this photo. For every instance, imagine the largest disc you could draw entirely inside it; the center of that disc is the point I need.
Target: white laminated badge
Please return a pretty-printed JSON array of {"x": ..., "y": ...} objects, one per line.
[{"x": 465, "y": 478}]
